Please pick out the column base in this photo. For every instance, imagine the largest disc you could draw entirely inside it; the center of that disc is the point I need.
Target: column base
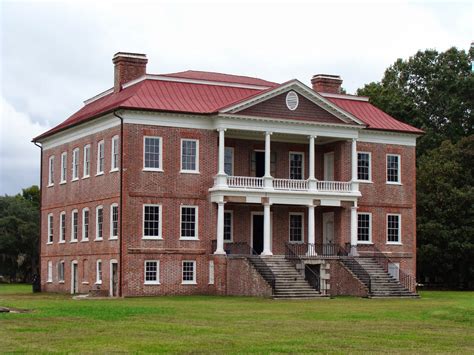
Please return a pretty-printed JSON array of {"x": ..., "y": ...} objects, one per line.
[
  {"x": 266, "y": 253},
  {"x": 354, "y": 251},
  {"x": 220, "y": 252}
]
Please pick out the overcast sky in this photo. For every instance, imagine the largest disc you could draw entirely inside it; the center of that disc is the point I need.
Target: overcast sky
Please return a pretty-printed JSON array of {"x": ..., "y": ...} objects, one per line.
[{"x": 55, "y": 55}]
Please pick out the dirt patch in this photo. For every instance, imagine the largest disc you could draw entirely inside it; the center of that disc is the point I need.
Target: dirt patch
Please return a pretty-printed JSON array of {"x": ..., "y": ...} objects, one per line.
[{"x": 14, "y": 310}]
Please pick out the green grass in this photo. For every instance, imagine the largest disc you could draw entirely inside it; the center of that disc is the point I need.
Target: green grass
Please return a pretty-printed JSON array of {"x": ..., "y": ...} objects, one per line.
[{"x": 438, "y": 322}]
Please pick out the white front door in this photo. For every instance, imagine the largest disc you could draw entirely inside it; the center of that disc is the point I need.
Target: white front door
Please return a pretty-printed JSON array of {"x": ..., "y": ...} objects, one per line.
[
  {"x": 329, "y": 166},
  {"x": 394, "y": 270},
  {"x": 328, "y": 227}
]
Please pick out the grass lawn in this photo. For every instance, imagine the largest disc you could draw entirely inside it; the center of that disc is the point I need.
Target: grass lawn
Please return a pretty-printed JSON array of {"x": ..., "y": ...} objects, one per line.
[{"x": 438, "y": 322}]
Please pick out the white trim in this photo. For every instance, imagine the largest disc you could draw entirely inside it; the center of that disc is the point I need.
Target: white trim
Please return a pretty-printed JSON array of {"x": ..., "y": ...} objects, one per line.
[
  {"x": 196, "y": 222},
  {"x": 83, "y": 230},
  {"x": 370, "y": 166},
  {"x": 74, "y": 240},
  {"x": 147, "y": 237},
  {"x": 157, "y": 282},
  {"x": 49, "y": 274},
  {"x": 61, "y": 264},
  {"x": 62, "y": 237},
  {"x": 388, "y": 137},
  {"x": 100, "y": 144},
  {"x": 63, "y": 175},
  {"x": 111, "y": 228},
  {"x": 302, "y": 227},
  {"x": 231, "y": 226},
  {"x": 112, "y": 153},
  {"x": 51, "y": 171},
  {"x": 186, "y": 171},
  {"x": 129, "y": 55},
  {"x": 399, "y": 229},
  {"x": 74, "y": 262},
  {"x": 370, "y": 228},
  {"x": 211, "y": 272},
  {"x": 399, "y": 181},
  {"x": 287, "y": 99},
  {"x": 75, "y": 164},
  {"x": 97, "y": 238},
  {"x": 161, "y": 154},
  {"x": 260, "y": 213},
  {"x": 302, "y": 163},
  {"x": 87, "y": 147},
  {"x": 50, "y": 235},
  {"x": 98, "y": 281},
  {"x": 344, "y": 96},
  {"x": 98, "y": 96},
  {"x": 111, "y": 276},
  {"x": 193, "y": 282}
]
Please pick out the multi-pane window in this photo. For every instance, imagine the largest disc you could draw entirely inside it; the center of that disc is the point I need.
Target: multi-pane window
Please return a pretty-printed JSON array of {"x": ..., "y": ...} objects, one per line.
[
  {"x": 50, "y": 228},
  {"x": 50, "y": 271},
  {"x": 364, "y": 227},
  {"x": 229, "y": 161},
  {"x": 114, "y": 221},
  {"x": 75, "y": 164},
  {"x": 189, "y": 155},
  {"x": 62, "y": 227},
  {"x": 99, "y": 223},
  {"x": 152, "y": 221},
  {"x": 74, "y": 225},
  {"x": 227, "y": 226},
  {"x": 51, "y": 171},
  {"x": 63, "y": 167},
  {"x": 115, "y": 153},
  {"x": 296, "y": 166},
  {"x": 393, "y": 228},
  {"x": 87, "y": 160},
  {"x": 296, "y": 227},
  {"x": 363, "y": 166},
  {"x": 85, "y": 224},
  {"x": 61, "y": 271},
  {"x": 100, "y": 157},
  {"x": 189, "y": 217},
  {"x": 98, "y": 272},
  {"x": 393, "y": 168},
  {"x": 152, "y": 156},
  {"x": 189, "y": 272},
  {"x": 152, "y": 272}
]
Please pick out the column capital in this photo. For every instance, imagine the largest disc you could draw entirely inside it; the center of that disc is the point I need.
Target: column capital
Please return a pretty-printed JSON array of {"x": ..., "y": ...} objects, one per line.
[
  {"x": 221, "y": 129},
  {"x": 312, "y": 136},
  {"x": 221, "y": 203},
  {"x": 354, "y": 139},
  {"x": 268, "y": 133}
]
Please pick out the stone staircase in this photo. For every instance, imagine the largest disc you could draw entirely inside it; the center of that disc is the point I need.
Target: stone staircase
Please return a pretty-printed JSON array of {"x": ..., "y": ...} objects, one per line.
[
  {"x": 381, "y": 283},
  {"x": 281, "y": 274}
]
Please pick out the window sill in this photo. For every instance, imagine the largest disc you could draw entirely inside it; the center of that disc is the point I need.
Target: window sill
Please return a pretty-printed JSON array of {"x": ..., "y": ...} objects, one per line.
[
  {"x": 84, "y": 240},
  {"x": 49, "y": 243},
  {"x": 364, "y": 243},
  {"x": 156, "y": 170},
  {"x": 98, "y": 283},
  {"x": 49, "y": 281},
  {"x": 85, "y": 282},
  {"x": 365, "y": 181},
  {"x": 188, "y": 238},
  {"x": 394, "y": 243},
  {"x": 114, "y": 170},
  {"x": 190, "y": 172},
  {"x": 113, "y": 238},
  {"x": 151, "y": 283},
  {"x": 99, "y": 174},
  {"x": 290, "y": 242},
  {"x": 61, "y": 282},
  {"x": 189, "y": 283},
  {"x": 75, "y": 179},
  {"x": 61, "y": 242},
  {"x": 73, "y": 241},
  {"x": 86, "y": 177},
  {"x": 152, "y": 238},
  {"x": 50, "y": 185},
  {"x": 228, "y": 241},
  {"x": 62, "y": 182},
  {"x": 394, "y": 183},
  {"x": 98, "y": 239}
]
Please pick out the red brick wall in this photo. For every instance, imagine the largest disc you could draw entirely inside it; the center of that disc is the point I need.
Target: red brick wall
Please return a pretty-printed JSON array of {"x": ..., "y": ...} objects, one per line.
[
  {"x": 244, "y": 280},
  {"x": 342, "y": 282}
]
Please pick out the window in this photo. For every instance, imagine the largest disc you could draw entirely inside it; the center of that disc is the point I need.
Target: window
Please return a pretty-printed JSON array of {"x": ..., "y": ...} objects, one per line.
[
  {"x": 393, "y": 169},
  {"x": 152, "y": 222},
  {"x": 296, "y": 166},
  {"x": 98, "y": 272},
  {"x": 50, "y": 228},
  {"x": 189, "y": 218},
  {"x": 393, "y": 228},
  {"x": 61, "y": 271},
  {"x": 229, "y": 161},
  {"x": 115, "y": 154},
  {"x": 75, "y": 164},
  {"x": 63, "y": 167},
  {"x": 152, "y": 272},
  {"x": 152, "y": 157},
  {"x": 364, "y": 228},
  {"x": 114, "y": 221},
  {"x": 74, "y": 225},
  {"x": 50, "y": 271},
  {"x": 87, "y": 160},
  {"x": 100, "y": 157},
  {"x": 227, "y": 226},
  {"x": 190, "y": 155},
  {"x": 363, "y": 167},
  {"x": 85, "y": 224},
  {"x": 296, "y": 227},
  {"x": 51, "y": 171},
  {"x": 62, "y": 227},
  {"x": 99, "y": 223},
  {"x": 211, "y": 272},
  {"x": 189, "y": 272}
]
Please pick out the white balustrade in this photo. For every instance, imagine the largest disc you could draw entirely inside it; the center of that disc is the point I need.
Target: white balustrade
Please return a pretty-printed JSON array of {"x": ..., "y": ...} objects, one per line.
[
  {"x": 290, "y": 184},
  {"x": 249, "y": 182},
  {"x": 334, "y": 186}
]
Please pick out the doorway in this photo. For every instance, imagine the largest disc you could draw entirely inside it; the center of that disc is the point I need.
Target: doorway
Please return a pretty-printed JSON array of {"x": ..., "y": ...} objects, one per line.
[
  {"x": 329, "y": 166},
  {"x": 74, "y": 278},
  {"x": 257, "y": 232},
  {"x": 328, "y": 233},
  {"x": 394, "y": 270},
  {"x": 259, "y": 163},
  {"x": 113, "y": 278}
]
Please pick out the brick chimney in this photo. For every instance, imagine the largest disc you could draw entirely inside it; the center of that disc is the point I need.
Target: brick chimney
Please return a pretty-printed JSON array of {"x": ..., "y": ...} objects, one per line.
[
  {"x": 128, "y": 66},
  {"x": 327, "y": 83}
]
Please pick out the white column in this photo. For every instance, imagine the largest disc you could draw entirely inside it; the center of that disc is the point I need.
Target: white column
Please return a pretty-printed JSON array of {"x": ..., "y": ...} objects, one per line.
[
  {"x": 267, "y": 178},
  {"x": 311, "y": 249},
  {"x": 221, "y": 178},
  {"x": 311, "y": 178},
  {"x": 353, "y": 251},
  {"x": 220, "y": 229},
  {"x": 266, "y": 230}
]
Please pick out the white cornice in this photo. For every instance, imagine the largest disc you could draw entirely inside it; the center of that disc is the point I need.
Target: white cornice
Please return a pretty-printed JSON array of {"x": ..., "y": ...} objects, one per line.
[
  {"x": 98, "y": 96},
  {"x": 346, "y": 97},
  {"x": 388, "y": 137}
]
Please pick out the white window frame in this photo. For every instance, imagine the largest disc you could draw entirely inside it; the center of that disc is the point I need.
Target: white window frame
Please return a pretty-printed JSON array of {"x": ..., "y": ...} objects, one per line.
[
  {"x": 302, "y": 227},
  {"x": 75, "y": 164},
  {"x": 111, "y": 236},
  {"x": 114, "y": 152},
  {"x": 211, "y": 272},
  {"x": 62, "y": 225},
  {"x": 302, "y": 163},
  {"x": 61, "y": 269},
  {"x": 233, "y": 159},
  {"x": 100, "y": 148},
  {"x": 160, "y": 168},
  {"x": 152, "y": 237},
  {"x": 370, "y": 167},
  {"x": 188, "y": 282},
  {"x": 195, "y": 171},
  {"x": 84, "y": 239},
  {"x": 196, "y": 222},
  {"x": 231, "y": 226},
  {"x": 63, "y": 168},
  {"x": 87, "y": 163},
  {"x": 50, "y": 272},
  {"x": 51, "y": 171},
  {"x": 399, "y": 242},
  {"x": 98, "y": 272},
  {"x": 97, "y": 238},
  {"x": 50, "y": 229},
  {"x": 399, "y": 182},
  {"x": 152, "y": 282},
  {"x": 370, "y": 229},
  {"x": 74, "y": 240}
]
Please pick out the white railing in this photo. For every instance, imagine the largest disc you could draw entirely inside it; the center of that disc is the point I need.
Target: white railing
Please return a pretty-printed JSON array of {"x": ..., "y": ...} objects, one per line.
[
  {"x": 290, "y": 184},
  {"x": 334, "y": 186},
  {"x": 249, "y": 182}
]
